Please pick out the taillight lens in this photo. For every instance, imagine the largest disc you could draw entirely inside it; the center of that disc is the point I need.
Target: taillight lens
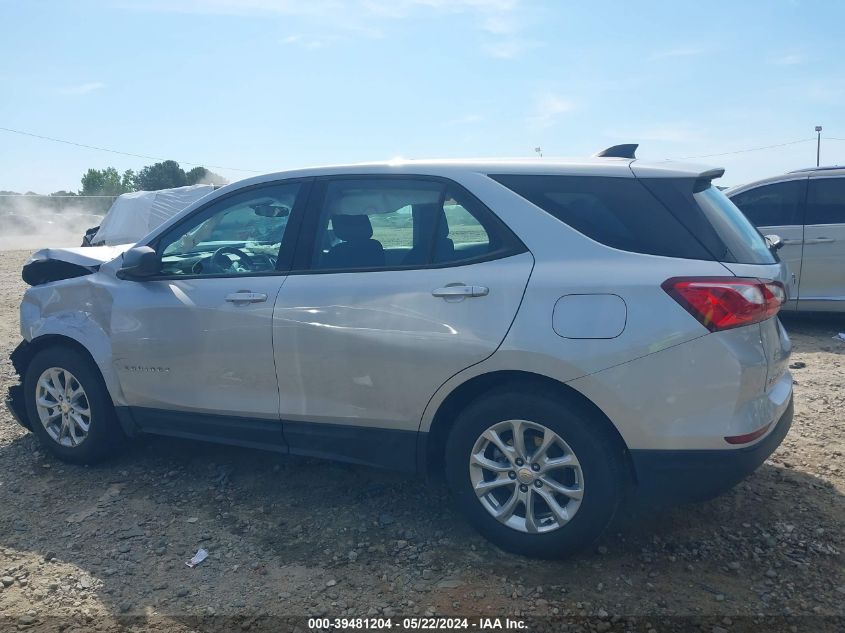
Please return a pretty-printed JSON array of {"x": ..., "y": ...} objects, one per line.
[{"x": 721, "y": 303}]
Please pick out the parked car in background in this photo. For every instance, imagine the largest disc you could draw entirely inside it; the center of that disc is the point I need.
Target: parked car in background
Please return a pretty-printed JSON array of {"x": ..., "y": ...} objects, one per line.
[
  {"x": 806, "y": 208},
  {"x": 551, "y": 335}
]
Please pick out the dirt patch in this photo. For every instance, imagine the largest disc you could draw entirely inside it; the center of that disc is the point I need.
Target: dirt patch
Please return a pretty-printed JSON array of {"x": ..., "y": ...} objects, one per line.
[{"x": 289, "y": 536}]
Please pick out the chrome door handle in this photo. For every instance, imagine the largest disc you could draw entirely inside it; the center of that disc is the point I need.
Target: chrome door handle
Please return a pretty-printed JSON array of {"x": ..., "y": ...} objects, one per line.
[
  {"x": 791, "y": 242},
  {"x": 819, "y": 240},
  {"x": 244, "y": 296},
  {"x": 461, "y": 290}
]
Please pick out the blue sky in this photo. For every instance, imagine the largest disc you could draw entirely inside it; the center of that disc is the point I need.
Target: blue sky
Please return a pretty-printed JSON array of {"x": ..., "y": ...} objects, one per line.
[{"x": 267, "y": 85}]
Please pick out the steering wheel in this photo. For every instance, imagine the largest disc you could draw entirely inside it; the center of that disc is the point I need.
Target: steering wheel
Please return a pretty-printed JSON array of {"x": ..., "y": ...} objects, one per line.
[{"x": 218, "y": 259}]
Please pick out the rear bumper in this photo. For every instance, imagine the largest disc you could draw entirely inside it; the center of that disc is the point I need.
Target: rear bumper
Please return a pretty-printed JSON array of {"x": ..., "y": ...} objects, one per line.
[
  {"x": 16, "y": 405},
  {"x": 676, "y": 476}
]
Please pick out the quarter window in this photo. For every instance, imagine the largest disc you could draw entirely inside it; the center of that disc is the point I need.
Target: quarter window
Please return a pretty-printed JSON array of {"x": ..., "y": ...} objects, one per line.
[
  {"x": 395, "y": 223},
  {"x": 778, "y": 204},
  {"x": 240, "y": 235},
  {"x": 826, "y": 203},
  {"x": 617, "y": 212}
]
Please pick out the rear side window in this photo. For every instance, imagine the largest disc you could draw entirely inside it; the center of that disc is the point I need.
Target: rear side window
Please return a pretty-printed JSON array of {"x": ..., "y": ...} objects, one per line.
[
  {"x": 826, "y": 203},
  {"x": 617, "y": 212},
  {"x": 392, "y": 223},
  {"x": 778, "y": 204}
]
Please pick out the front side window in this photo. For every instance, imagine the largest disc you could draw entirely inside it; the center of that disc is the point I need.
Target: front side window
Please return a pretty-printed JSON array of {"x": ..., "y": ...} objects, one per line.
[
  {"x": 238, "y": 235},
  {"x": 395, "y": 223},
  {"x": 826, "y": 203},
  {"x": 778, "y": 204}
]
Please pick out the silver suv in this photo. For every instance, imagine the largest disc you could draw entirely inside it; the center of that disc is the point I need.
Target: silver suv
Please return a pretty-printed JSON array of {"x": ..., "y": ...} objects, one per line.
[
  {"x": 551, "y": 335},
  {"x": 806, "y": 209}
]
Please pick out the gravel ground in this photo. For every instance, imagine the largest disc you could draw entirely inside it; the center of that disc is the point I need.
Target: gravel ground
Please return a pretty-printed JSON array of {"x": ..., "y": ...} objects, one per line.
[{"x": 105, "y": 548}]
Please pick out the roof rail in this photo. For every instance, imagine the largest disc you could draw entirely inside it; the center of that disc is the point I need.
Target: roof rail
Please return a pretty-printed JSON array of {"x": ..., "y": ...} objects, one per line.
[
  {"x": 626, "y": 150},
  {"x": 808, "y": 169}
]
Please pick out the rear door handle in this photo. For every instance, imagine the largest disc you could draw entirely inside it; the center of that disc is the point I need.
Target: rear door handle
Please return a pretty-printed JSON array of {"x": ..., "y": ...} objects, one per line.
[
  {"x": 245, "y": 296},
  {"x": 819, "y": 240},
  {"x": 461, "y": 290}
]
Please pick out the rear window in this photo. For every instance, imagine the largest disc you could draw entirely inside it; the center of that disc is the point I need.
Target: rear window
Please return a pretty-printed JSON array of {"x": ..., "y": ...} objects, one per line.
[
  {"x": 617, "y": 212},
  {"x": 739, "y": 236}
]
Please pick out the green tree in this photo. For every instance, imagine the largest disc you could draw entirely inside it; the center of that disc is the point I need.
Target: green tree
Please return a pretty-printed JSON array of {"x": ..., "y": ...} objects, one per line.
[
  {"x": 162, "y": 175},
  {"x": 203, "y": 176},
  {"x": 102, "y": 182},
  {"x": 130, "y": 180}
]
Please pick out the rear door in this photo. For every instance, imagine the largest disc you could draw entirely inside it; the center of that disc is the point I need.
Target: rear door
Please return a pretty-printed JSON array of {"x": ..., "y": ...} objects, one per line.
[
  {"x": 778, "y": 209},
  {"x": 823, "y": 278},
  {"x": 403, "y": 282}
]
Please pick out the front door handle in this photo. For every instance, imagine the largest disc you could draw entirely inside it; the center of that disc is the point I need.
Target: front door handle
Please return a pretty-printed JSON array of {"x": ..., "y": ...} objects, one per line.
[
  {"x": 792, "y": 242},
  {"x": 461, "y": 290},
  {"x": 819, "y": 240},
  {"x": 245, "y": 296}
]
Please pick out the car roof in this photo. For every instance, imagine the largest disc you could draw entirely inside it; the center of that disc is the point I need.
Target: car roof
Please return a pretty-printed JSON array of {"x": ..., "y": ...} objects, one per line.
[
  {"x": 831, "y": 171},
  {"x": 592, "y": 166}
]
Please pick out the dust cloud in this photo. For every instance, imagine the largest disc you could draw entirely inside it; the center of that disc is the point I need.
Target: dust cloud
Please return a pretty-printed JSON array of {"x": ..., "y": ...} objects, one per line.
[{"x": 29, "y": 222}]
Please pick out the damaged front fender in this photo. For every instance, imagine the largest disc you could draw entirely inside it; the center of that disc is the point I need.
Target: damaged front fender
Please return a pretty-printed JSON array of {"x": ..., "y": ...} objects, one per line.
[
  {"x": 55, "y": 264},
  {"x": 78, "y": 310}
]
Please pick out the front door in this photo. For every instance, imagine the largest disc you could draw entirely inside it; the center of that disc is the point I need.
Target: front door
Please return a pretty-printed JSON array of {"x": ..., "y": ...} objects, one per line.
[
  {"x": 405, "y": 283},
  {"x": 823, "y": 279},
  {"x": 193, "y": 345}
]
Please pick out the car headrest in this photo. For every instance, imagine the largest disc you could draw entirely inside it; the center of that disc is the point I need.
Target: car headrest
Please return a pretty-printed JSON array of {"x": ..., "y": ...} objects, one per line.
[
  {"x": 352, "y": 228},
  {"x": 442, "y": 226},
  {"x": 434, "y": 211}
]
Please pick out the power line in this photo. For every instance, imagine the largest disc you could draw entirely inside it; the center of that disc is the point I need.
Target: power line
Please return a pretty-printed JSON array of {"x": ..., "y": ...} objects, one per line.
[
  {"x": 114, "y": 151},
  {"x": 750, "y": 149},
  {"x": 47, "y": 195}
]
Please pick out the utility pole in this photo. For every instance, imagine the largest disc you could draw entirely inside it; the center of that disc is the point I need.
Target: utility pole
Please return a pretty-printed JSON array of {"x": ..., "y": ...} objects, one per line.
[{"x": 818, "y": 144}]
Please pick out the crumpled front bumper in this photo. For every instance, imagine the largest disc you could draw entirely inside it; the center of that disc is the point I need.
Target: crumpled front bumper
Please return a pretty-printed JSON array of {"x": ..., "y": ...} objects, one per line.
[
  {"x": 16, "y": 405},
  {"x": 14, "y": 399}
]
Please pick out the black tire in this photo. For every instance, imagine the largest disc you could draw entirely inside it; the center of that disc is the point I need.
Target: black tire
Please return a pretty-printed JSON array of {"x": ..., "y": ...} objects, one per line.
[
  {"x": 105, "y": 437},
  {"x": 602, "y": 466}
]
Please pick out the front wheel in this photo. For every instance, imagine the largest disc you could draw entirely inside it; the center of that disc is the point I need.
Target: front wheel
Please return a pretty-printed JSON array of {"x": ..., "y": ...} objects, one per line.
[
  {"x": 536, "y": 475},
  {"x": 69, "y": 408}
]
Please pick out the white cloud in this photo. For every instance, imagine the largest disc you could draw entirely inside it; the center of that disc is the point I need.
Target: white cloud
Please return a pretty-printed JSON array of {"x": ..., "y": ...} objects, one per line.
[
  {"x": 467, "y": 119},
  {"x": 508, "y": 48},
  {"x": 496, "y": 20},
  {"x": 663, "y": 133},
  {"x": 548, "y": 110},
  {"x": 308, "y": 42},
  {"x": 675, "y": 52},
  {"x": 82, "y": 89},
  {"x": 790, "y": 59}
]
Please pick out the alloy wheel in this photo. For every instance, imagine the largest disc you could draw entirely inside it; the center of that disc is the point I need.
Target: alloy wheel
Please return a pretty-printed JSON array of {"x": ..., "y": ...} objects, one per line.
[
  {"x": 526, "y": 476},
  {"x": 63, "y": 406}
]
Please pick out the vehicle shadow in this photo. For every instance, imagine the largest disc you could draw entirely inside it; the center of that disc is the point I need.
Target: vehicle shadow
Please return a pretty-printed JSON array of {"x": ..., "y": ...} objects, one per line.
[
  {"x": 816, "y": 331},
  {"x": 293, "y": 536}
]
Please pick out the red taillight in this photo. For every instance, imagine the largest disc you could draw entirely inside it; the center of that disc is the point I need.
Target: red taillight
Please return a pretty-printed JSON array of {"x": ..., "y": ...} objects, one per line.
[{"x": 721, "y": 303}]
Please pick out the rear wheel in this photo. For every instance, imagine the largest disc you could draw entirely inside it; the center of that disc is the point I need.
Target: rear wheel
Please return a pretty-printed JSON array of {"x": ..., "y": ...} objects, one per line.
[
  {"x": 69, "y": 408},
  {"x": 533, "y": 473}
]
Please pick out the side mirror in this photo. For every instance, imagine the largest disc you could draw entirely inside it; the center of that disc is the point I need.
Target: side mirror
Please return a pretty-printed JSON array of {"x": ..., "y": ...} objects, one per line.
[
  {"x": 139, "y": 262},
  {"x": 773, "y": 242}
]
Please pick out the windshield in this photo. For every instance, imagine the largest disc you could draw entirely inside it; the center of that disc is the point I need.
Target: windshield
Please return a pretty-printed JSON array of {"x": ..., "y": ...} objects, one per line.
[{"x": 738, "y": 234}]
